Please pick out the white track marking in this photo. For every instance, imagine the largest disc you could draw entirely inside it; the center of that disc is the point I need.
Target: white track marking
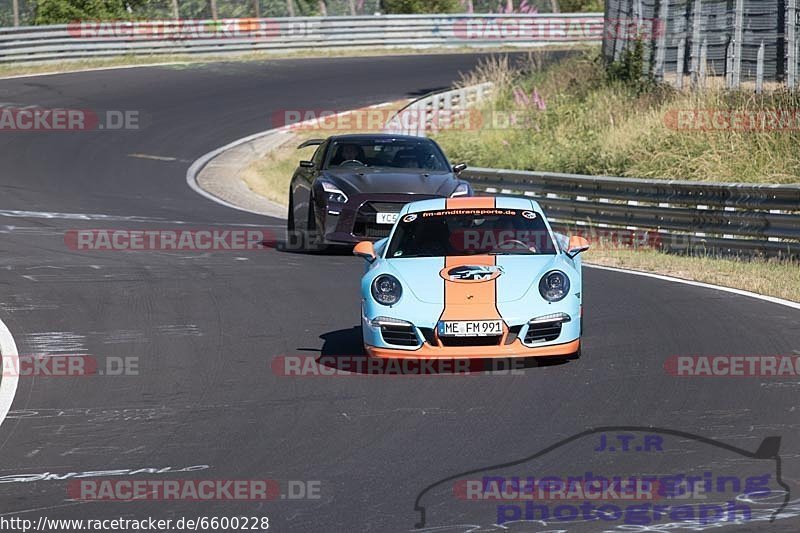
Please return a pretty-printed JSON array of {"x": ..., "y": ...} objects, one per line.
[
  {"x": 739, "y": 292},
  {"x": 95, "y": 69},
  {"x": 153, "y": 157},
  {"x": 8, "y": 384},
  {"x": 199, "y": 164}
]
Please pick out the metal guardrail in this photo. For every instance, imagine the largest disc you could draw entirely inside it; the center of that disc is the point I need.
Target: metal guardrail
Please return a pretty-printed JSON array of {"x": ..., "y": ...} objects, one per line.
[
  {"x": 677, "y": 216},
  {"x": 83, "y": 40},
  {"x": 442, "y": 109}
]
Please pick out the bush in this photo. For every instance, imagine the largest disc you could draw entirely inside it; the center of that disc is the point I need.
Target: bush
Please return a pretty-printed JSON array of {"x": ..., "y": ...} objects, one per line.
[
  {"x": 586, "y": 6},
  {"x": 404, "y": 7},
  {"x": 66, "y": 11},
  {"x": 630, "y": 69}
]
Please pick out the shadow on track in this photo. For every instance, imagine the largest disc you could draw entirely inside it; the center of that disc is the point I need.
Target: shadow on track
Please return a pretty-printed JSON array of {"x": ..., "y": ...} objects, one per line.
[{"x": 343, "y": 350}]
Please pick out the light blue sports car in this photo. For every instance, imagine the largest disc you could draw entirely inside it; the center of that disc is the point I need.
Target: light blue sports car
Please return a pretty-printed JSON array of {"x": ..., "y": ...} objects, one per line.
[{"x": 478, "y": 277}]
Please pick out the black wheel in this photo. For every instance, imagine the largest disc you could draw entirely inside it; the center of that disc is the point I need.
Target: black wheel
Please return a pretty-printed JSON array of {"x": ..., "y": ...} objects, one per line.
[
  {"x": 311, "y": 238},
  {"x": 290, "y": 214},
  {"x": 295, "y": 239}
]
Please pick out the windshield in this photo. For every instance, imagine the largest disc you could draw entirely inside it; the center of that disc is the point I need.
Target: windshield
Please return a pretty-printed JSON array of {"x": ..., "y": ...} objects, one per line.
[
  {"x": 420, "y": 154},
  {"x": 471, "y": 232}
]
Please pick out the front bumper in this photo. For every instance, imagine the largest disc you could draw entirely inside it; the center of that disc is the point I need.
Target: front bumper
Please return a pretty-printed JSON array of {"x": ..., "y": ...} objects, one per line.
[
  {"x": 515, "y": 350},
  {"x": 356, "y": 220},
  {"x": 520, "y": 339}
]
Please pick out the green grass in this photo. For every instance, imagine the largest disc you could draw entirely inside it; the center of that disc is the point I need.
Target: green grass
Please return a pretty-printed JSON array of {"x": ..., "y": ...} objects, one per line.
[
  {"x": 771, "y": 277},
  {"x": 595, "y": 126}
]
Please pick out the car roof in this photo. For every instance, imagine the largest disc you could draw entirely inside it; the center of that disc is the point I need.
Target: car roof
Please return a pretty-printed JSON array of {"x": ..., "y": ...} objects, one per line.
[
  {"x": 472, "y": 202},
  {"x": 376, "y": 136}
]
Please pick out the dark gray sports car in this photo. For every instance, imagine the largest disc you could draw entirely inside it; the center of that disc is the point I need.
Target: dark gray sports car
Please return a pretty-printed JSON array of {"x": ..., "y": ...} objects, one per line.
[{"x": 355, "y": 185}]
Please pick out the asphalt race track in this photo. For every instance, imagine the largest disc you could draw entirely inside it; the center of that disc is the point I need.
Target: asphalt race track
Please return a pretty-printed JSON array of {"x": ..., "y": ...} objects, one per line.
[{"x": 205, "y": 328}]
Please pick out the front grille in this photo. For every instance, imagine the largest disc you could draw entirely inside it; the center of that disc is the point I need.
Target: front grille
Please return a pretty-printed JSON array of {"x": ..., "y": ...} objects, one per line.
[
  {"x": 456, "y": 342},
  {"x": 399, "y": 335},
  {"x": 366, "y": 219},
  {"x": 543, "y": 332},
  {"x": 371, "y": 230},
  {"x": 381, "y": 207}
]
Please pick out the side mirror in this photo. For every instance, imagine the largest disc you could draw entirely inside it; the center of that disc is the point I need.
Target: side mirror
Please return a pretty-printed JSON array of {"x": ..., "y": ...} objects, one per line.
[
  {"x": 306, "y": 164},
  {"x": 577, "y": 245},
  {"x": 366, "y": 250},
  {"x": 459, "y": 168}
]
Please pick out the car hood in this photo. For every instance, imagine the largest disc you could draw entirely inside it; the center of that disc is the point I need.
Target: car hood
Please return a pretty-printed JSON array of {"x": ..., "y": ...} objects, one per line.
[
  {"x": 518, "y": 275},
  {"x": 360, "y": 181}
]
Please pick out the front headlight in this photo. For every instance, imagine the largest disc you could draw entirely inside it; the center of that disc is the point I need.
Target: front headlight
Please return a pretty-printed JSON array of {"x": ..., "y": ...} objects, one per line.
[
  {"x": 386, "y": 289},
  {"x": 554, "y": 286},
  {"x": 461, "y": 190},
  {"x": 334, "y": 193}
]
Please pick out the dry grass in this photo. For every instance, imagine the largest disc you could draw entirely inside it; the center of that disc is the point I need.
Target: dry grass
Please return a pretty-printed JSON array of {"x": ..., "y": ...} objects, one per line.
[
  {"x": 270, "y": 175},
  {"x": 594, "y": 126},
  {"x": 779, "y": 278}
]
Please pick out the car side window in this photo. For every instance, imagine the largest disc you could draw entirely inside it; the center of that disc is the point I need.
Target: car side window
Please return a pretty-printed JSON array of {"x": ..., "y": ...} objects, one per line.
[{"x": 319, "y": 155}]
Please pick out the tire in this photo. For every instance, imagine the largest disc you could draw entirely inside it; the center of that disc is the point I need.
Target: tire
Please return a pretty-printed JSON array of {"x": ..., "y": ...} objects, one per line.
[
  {"x": 311, "y": 240},
  {"x": 290, "y": 214},
  {"x": 295, "y": 241}
]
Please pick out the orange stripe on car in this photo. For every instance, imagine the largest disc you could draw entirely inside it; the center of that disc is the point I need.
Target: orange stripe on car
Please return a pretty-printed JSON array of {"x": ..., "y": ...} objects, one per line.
[{"x": 474, "y": 202}]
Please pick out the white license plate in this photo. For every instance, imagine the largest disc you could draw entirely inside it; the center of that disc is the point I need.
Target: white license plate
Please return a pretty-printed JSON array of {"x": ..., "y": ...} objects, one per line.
[
  {"x": 471, "y": 328},
  {"x": 387, "y": 218}
]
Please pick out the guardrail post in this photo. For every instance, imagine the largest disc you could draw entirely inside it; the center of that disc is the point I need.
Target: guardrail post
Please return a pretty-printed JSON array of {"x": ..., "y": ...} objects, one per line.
[
  {"x": 729, "y": 65},
  {"x": 697, "y": 21},
  {"x": 791, "y": 43},
  {"x": 619, "y": 40},
  {"x": 661, "y": 44},
  {"x": 703, "y": 63},
  {"x": 737, "y": 44},
  {"x": 760, "y": 70}
]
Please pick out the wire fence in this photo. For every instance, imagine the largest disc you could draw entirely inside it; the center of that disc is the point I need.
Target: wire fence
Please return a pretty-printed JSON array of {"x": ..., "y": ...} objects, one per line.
[
  {"x": 688, "y": 41},
  {"x": 205, "y": 9}
]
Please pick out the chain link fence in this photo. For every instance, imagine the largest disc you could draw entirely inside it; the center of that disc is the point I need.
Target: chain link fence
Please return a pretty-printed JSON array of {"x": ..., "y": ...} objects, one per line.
[{"x": 687, "y": 41}]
